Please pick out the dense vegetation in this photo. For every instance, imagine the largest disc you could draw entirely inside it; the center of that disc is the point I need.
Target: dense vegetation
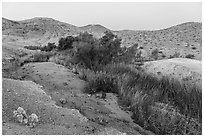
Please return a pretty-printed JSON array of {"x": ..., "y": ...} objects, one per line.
[{"x": 164, "y": 106}]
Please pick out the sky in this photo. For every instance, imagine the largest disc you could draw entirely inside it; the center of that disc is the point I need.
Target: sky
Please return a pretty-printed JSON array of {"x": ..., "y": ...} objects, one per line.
[{"x": 115, "y": 15}]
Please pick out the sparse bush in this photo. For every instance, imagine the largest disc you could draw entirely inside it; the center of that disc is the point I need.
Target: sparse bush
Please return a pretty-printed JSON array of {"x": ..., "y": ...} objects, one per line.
[
  {"x": 37, "y": 57},
  {"x": 47, "y": 48},
  {"x": 163, "y": 56},
  {"x": 190, "y": 56},
  {"x": 41, "y": 57},
  {"x": 176, "y": 55},
  {"x": 86, "y": 74},
  {"x": 129, "y": 55},
  {"x": 155, "y": 54},
  {"x": 32, "y": 47}
]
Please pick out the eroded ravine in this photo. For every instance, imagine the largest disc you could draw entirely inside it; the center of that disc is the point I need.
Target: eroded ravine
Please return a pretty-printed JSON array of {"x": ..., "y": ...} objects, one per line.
[{"x": 103, "y": 116}]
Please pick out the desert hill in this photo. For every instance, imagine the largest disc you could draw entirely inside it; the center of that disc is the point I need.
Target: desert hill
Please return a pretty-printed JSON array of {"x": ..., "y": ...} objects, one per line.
[
  {"x": 184, "y": 38},
  {"x": 38, "y": 30}
]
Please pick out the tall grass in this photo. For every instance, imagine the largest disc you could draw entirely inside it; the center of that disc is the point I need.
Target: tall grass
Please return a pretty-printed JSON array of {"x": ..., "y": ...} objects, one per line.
[{"x": 164, "y": 106}]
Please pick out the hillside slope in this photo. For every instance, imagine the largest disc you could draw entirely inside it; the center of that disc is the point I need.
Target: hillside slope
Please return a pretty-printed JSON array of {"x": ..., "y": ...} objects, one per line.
[
  {"x": 40, "y": 92},
  {"x": 185, "y": 70},
  {"x": 184, "y": 38}
]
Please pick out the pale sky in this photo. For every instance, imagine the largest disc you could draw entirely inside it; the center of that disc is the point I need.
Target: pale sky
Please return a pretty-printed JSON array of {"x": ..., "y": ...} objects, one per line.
[{"x": 115, "y": 16}]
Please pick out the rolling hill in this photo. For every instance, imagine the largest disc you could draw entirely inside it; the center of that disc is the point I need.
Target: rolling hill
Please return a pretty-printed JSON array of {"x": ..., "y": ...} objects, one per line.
[{"x": 184, "y": 38}]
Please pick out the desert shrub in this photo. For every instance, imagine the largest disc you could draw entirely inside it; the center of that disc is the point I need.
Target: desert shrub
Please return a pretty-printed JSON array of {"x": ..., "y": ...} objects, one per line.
[
  {"x": 162, "y": 105},
  {"x": 41, "y": 57},
  {"x": 93, "y": 53},
  {"x": 11, "y": 65},
  {"x": 164, "y": 119},
  {"x": 129, "y": 55},
  {"x": 37, "y": 57},
  {"x": 190, "y": 56},
  {"x": 101, "y": 82},
  {"x": 65, "y": 43},
  {"x": 176, "y": 55},
  {"x": 163, "y": 56},
  {"x": 86, "y": 54},
  {"x": 87, "y": 38},
  {"x": 118, "y": 69},
  {"x": 32, "y": 47},
  {"x": 194, "y": 48},
  {"x": 141, "y": 92},
  {"x": 110, "y": 47},
  {"x": 86, "y": 74},
  {"x": 49, "y": 47},
  {"x": 155, "y": 54}
]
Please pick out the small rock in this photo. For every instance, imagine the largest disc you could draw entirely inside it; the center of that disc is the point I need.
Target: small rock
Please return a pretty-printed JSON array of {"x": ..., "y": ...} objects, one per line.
[{"x": 63, "y": 101}]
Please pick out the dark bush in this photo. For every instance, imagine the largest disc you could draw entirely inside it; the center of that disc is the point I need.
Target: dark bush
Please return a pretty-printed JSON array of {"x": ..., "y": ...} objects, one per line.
[
  {"x": 93, "y": 53},
  {"x": 65, "y": 43},
  {"x": 32, "y": 47},
  {"x": 194, "y": 48},
  {"x": 190, "y": 56},
  {"x": 87, "y": 38},
  {"x": 49, "y": 47}
]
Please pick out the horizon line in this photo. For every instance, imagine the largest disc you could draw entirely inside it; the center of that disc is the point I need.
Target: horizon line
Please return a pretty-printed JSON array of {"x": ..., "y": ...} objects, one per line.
[{"x": 102, "y": 24}]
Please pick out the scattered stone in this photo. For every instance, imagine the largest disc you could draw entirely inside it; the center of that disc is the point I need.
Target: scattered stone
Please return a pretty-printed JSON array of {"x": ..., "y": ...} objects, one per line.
[{"x": 63, "y": 101}]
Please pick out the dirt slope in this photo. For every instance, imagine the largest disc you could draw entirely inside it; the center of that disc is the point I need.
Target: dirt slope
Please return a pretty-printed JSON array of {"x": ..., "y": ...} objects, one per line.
[
  {"x": 53, "y": 119},
  {"x": 186, "y": 70},
  {"x": 97, "y": 116}
]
